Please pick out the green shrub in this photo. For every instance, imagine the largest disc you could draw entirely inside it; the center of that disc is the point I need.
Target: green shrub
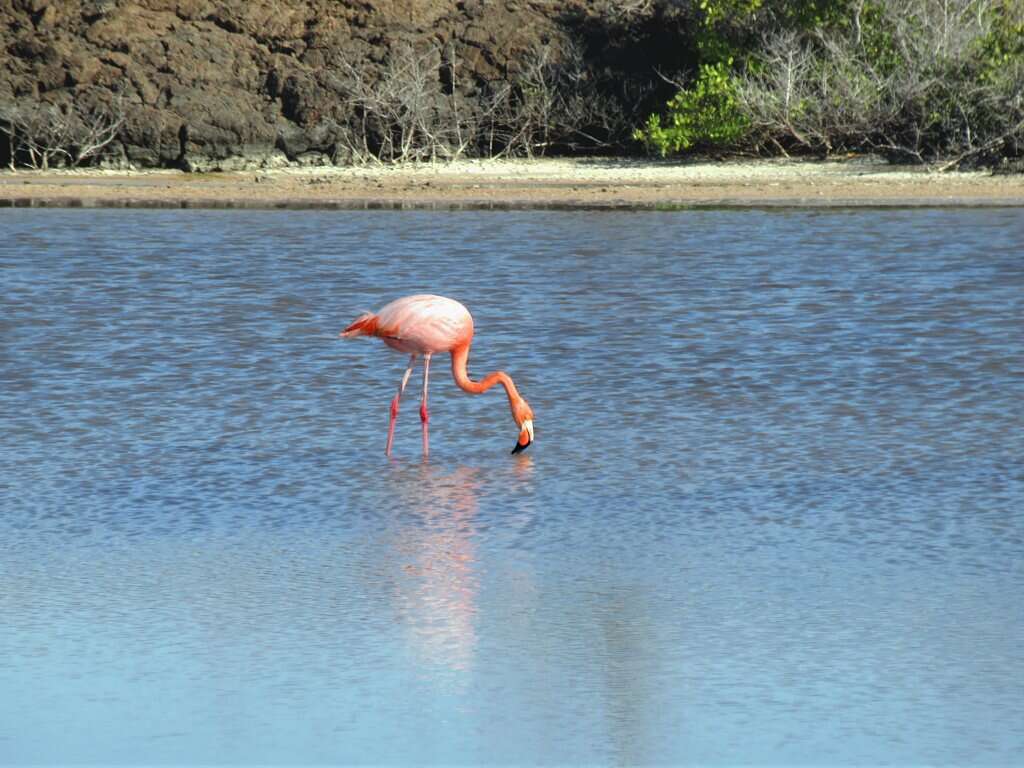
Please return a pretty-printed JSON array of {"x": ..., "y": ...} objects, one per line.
[
  {"x": 933, "y": 81},
  {"x": 1003, "y": 45},
  {"x": 726, "y": 38},
  {"x": 706, "y": 115},
  {"x": 724, "y": 28},
  {"x": 913, "y": 79}
]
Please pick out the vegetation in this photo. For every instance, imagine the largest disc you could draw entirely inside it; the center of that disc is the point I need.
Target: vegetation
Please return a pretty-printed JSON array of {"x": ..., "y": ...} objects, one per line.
[
  {"x": 925, "y": 80},
  {"x": 408, "y": 113},
  {"x": 410, "y": 109},
  {"x": 709, "y": 113},
  {"x": 46, "y": 136},
  {"x": 939, "y": 82}
]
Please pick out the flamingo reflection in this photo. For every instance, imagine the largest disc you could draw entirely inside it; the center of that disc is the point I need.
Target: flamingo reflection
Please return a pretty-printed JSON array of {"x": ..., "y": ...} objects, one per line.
[{"x": 437, "y": 588}]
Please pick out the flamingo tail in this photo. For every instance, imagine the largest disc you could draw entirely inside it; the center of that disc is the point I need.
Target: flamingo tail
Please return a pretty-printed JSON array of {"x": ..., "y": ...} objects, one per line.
[{"x": 364, "y": 325}]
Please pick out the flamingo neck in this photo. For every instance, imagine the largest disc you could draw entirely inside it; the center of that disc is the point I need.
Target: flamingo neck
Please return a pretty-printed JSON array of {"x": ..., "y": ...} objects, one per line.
[{"x": 460, "y": 357}]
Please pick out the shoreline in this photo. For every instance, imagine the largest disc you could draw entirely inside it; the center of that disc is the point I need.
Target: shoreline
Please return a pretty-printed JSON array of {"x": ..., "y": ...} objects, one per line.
[{"x": 593, "y": 183}]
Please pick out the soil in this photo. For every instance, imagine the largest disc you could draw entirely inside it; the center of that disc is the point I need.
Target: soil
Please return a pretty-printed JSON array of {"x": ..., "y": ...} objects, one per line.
[{"x": 583, "y": 183}]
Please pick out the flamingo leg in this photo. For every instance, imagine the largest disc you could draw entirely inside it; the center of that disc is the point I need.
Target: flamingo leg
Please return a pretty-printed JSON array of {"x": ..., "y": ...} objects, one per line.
[
  {"x": 395, "y": 402},
  {"x": 424, "y": 413}
]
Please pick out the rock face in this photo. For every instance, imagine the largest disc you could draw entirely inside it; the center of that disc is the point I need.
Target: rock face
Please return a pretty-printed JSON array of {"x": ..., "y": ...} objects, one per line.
[{"x": 219, "y": 84}]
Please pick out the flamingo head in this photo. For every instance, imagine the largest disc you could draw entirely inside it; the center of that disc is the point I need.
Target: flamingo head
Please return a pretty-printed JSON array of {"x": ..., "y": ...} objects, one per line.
[{"x": 523, "y": 415}]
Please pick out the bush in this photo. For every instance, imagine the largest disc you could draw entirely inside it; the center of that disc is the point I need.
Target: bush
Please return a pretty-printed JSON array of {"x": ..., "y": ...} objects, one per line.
[
  {"x": 707, "y": 115},
  {"x": 921, "y": 80},
  {"x": 415, "y": 109},
  {"x": 724, "y": 35},
  {"x": 44, "y": 136}
]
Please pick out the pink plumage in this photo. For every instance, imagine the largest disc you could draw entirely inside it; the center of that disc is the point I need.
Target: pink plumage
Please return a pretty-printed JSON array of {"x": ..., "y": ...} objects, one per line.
[{"x": 424, "y": 325}]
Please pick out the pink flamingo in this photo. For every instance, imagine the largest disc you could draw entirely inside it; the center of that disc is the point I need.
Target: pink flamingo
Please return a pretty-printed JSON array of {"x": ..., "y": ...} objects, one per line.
[{"x": 425, "y": 325}]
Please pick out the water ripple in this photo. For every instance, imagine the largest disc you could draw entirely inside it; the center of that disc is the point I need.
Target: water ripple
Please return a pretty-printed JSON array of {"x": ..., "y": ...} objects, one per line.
[{"x": 774, "y": 511}]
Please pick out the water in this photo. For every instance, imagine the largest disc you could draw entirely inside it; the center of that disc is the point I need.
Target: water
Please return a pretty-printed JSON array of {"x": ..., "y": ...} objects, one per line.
[{"x": 774, "y": 513}]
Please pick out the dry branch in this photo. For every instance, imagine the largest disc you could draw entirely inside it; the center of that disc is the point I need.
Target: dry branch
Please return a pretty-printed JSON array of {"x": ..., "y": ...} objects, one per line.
[{"x": 51, "y": 135}]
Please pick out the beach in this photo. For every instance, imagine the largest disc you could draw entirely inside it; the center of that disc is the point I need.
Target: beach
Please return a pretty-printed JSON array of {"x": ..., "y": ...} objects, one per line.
[{"x": 593, "y": 182}]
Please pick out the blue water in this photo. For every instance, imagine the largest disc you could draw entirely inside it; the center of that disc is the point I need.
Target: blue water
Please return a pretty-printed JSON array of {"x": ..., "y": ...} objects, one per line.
[{"x": 774, "y": 513}]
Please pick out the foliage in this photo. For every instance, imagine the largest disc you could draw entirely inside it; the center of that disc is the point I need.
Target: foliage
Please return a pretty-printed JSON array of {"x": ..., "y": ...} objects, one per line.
[
  {"x": 918, "y": 79},
  {"x": 726, "y": 36},
  {"x": 720, "y": 31},
  {"x": 732, "y": 30},
  {"x": 914, "y": 79},
  {"x": 706, "y": 115},
  {"x": 1003, "y": 45}
]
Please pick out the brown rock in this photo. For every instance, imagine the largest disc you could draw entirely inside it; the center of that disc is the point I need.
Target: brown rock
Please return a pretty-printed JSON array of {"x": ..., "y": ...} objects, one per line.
[
  {"x": 209, "y": 82},
  {"x": 46, "y": 18}
]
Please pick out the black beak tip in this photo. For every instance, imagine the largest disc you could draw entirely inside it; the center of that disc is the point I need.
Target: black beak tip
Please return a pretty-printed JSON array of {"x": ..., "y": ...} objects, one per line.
[{"x": 520, "y": 447}]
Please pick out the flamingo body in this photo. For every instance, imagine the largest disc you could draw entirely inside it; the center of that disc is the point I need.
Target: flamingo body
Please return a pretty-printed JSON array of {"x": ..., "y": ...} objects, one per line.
[{"x": 424, "y": 325}]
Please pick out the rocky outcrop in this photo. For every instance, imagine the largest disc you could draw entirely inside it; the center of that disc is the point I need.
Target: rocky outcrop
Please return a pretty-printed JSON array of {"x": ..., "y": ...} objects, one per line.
[{"x": 208, "y": 84}]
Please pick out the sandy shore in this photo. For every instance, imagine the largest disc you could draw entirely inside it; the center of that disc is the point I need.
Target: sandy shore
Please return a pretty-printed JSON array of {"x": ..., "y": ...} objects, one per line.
[{"x": 587, "y": 183}]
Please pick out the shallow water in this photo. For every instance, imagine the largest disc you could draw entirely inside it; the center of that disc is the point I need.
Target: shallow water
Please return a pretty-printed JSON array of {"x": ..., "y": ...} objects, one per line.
[{"x": 774, "y": 513}]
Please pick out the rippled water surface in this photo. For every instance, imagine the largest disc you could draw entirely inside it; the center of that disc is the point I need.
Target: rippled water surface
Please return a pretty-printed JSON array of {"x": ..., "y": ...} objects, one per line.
[{"x": 774, "y": 513}]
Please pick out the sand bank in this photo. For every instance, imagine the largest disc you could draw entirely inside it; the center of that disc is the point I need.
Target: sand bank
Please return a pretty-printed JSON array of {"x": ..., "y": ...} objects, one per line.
[{"x": 514, "y": 183}]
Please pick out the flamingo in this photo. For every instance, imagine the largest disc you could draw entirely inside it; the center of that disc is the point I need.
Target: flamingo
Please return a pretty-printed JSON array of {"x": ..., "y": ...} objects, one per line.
[{"x": 424, "y": 325}]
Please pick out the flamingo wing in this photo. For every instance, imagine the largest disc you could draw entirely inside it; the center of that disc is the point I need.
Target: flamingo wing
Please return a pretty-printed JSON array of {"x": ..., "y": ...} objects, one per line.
[{"x": 424, "y": 323}]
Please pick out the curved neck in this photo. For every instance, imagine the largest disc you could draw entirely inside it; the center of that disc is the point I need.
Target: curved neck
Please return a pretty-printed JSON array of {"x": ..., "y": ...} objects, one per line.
[{"x": 460, "y": 356}]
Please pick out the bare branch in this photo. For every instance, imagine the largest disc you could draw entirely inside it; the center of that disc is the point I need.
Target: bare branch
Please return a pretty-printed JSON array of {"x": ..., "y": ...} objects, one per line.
[{"x": 49, "y": 135}]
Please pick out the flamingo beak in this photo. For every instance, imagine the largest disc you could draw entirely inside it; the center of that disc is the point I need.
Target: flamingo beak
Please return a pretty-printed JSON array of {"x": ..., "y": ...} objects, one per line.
[{"x": 525, "y": 437}]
